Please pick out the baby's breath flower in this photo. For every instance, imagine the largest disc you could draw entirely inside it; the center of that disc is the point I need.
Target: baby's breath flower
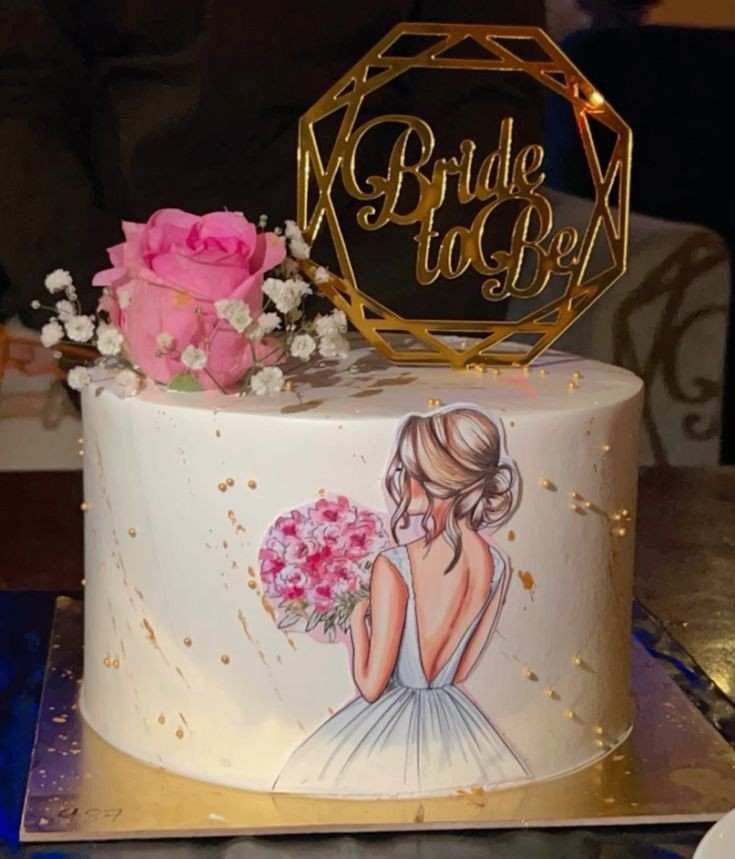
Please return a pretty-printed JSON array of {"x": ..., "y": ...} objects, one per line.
[
  {"x": 80, "y": 329},
  {"x": 269, "y": 380},
  {"x": 51, "y": 334},
  {"x": 58, "y": 280},
  {"x": 194, "y": 358}
]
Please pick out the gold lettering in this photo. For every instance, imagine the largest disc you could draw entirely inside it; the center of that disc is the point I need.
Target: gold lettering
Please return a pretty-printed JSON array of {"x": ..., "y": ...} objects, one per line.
[{"x": 535, "y": 252}]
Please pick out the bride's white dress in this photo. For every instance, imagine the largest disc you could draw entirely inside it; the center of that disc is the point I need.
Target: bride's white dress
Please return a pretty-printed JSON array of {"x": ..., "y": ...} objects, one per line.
[{"x": 419, "y": 737}]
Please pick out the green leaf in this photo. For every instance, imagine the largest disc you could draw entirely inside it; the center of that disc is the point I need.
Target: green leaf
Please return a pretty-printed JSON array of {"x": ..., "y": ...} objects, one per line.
[
  {"x": 184, "y": 382},
  {"x": 288, "y": 621},
  {"x": 313, "y": 621}
]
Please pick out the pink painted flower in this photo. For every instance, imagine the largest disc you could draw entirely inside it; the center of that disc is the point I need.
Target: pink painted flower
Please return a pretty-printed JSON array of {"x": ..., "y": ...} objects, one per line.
[
  {"x": 271, "y": 563},
  {"x": 290, "y": 583},
  {"x": 333, "y": 511},
  {"x": 165, "y": 279},
  {"x": 290, "y": 526}
]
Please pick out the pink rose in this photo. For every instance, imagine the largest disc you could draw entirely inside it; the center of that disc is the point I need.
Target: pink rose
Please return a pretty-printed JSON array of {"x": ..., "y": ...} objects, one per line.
[
  {"x": 330, "y": 512},
  {"x": 271, "y": 563},
  {"x": 167, "y": 276}
]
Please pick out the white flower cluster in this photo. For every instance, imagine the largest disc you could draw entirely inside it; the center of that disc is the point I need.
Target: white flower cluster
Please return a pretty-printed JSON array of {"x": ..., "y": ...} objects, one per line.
[{"x": 68, "y": 323}]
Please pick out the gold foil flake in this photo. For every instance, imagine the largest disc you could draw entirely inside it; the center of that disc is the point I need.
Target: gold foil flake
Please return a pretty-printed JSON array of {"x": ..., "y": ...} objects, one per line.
[
  {"x": 570, "y": 714},
  {"x": 575, "y": 508},
  {"x": 161, "y": 719},
  {"x": 511, "y": 536},
  {"x": 297, "y": 408},
  {"x": 84, "y": 506},
  {"x": 132, "y": 532},
  {"x": 434, "y": 402},
  {"x": 187, "y": 642},
  {"x": 625, "y": 513},
  {"x": 577, "y": 376},
  {"x": 527, "y": 580},
  {"x": 269, "y": 609},
  {"x": 107, "y": 662},
  {"x": 224, "y": 659},
  {"x": 528, "y": 674},
  {"x": 547, "y": 484},
  {"x": 252, "y": 484},
  {"x": 606, "y": 448},
  {"x": 551, "y": 693},
  {"x": 578, "y": 661}
]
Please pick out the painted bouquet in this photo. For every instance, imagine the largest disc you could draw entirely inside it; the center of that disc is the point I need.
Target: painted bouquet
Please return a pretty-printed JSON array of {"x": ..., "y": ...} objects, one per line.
[
  {"x": 315, "y": 564},
  {"x": 195, "y": 302}
]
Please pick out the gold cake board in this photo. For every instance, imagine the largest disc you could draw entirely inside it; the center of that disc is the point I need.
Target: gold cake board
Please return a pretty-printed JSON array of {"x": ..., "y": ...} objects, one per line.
[{"x": 674, "y": 768}]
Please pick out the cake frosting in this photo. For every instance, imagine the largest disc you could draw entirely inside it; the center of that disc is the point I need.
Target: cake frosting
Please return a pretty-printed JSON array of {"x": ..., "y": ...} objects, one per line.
[{"x": 196, "y": 657}]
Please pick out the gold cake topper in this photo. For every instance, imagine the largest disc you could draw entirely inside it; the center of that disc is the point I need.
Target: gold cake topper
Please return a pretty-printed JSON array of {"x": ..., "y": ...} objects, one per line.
[{"x": 538, "y": 250}]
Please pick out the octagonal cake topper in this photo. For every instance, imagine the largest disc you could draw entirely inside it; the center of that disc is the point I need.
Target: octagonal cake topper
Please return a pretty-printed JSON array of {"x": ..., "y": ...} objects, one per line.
[{"x": 538, "y": 251}]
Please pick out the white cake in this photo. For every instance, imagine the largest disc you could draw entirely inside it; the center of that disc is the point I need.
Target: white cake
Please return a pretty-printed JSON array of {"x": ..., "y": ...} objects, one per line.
[{"x": 187, "y": 668}]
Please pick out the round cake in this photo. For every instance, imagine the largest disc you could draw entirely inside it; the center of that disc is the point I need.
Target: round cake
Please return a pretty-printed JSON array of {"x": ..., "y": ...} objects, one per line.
[{"x": 387, "y": 581}]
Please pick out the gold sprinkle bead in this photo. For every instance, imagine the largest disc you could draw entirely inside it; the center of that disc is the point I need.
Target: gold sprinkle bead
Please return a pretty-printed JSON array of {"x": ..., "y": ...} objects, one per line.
[
  {"x": 222, "y": 486},
  {"x": 115, "y": 663},
  {"x": 230, "y": 481},
  {"x": 434, "y": 402},
  {"x": 606, "y": 448},
  {"x": 80, "y": 440},
  {"x": 132, "y": 532},
  {"x": 187, "y": 642},
  {"x": 495, "y": 371},
  {"x": 625, "y": 513},
  {"x": 577, "y": 661},
  {"x": 575, "y": 508},
  {"x": 84, "y": 506},
  {"x": 588, "y": 504},
  {"x": 601, "y": 744},
  {"x": 81, "y": 451},
  {"x": 225, "y": 659},
  {"x": 528, "y": 674},
  {"x": 107, "y": 662},
  {"x": 288, "y": 385},
  {"x": 161, "y": 719},
  {"x": 526, "y": 371},
  {"x": 575, "y": 495},
  {"x": 549, "y": 692},
  {"x": 599, "y": 730},
  {"x": 180, "y": 733},
  {"x": 252, "y": 484},
  {"x": 572, "y": 386},
  {"x": 616, "y": 517},
  {"x": 252, "y": 584},
  {"x": 542, "y": 372},
  {"x": 619, "y": 532},
  {"x": 83, "y": 582},
  {"x": 570, "y": 714},
  {"x": 576, "y": 375},
  {"x": 547, "y": 484}
]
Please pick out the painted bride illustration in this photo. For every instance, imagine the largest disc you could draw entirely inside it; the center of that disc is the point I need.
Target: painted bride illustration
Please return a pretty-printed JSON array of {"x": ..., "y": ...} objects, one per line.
[{"x": 419, "y": 613}]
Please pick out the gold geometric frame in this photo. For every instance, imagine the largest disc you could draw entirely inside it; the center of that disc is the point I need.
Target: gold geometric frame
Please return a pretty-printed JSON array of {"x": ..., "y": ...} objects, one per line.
[{"x": 488, "y": 340}]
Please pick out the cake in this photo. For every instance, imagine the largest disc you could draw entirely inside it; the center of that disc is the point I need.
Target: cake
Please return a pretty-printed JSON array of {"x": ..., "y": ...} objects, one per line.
[{"x": 206, "y": 515}]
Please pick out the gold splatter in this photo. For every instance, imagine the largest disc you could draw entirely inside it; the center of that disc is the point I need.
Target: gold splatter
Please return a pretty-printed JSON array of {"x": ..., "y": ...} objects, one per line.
[
  {"x": 132, "y": 532},
  {"x": 150, "y": 632},
  {"x": 161, "y": 719},
  {"x": 434, "y": 402},
  {"x": 511, "y": 536},
  {"x": 252, "y": 584},
  {"x": 107, "y": 662},
  {"x": 420, "y": 815},
  {"x": 619, "y": 532},
  {"x": 230, "y": 481},
  {"x": 296, "y": 408},
  {"x": 528, "y": 674},
  {"x": 269, "y": 609},
  {"x": 551, "y": 693},
  {"x": 527, "y": 580},
  {"x": 512, "y": 423},
  {"x": 187, "y": 642},
  {"x": 601, "y": 744},
  {"x": 575, "y": 508},
  {"x": 180, "y": 733},
  {"x": 547, "y": 484},
  {"x": 610, "y": 800},
  {"x": 291, "y": 642},
  {"x": 570, "y": 714},
  {"x": 222, "y": 486},
  {"x": 115, "y": 663},
  {"x": 251, "y": 572},
  {"x": 252, "y": 484},
  {"x": 139, "y": 592},
  {"x": 218, "y": 433},
  {"x": 542, "y": 372},
  {"x": 578, "y": 661},
  {"x": 183, "y": 720},
  {"x": 244, "y": 624},
  {"x": 599, "y": 730},
  {"x": 84, "y": 506},
  {"x": 224, "y": 659},
  {"x": 625, "y": 513},
  {"x": 373, "y": 392}
]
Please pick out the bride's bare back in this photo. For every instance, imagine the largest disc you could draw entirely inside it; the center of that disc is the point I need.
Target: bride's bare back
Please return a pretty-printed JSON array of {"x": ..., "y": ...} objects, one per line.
[{"x": 448, "y": 602}]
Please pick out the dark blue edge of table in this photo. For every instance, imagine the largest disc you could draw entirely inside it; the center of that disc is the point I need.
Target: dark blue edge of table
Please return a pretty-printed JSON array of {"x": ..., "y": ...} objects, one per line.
[{"x": 25, "y": 625}]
